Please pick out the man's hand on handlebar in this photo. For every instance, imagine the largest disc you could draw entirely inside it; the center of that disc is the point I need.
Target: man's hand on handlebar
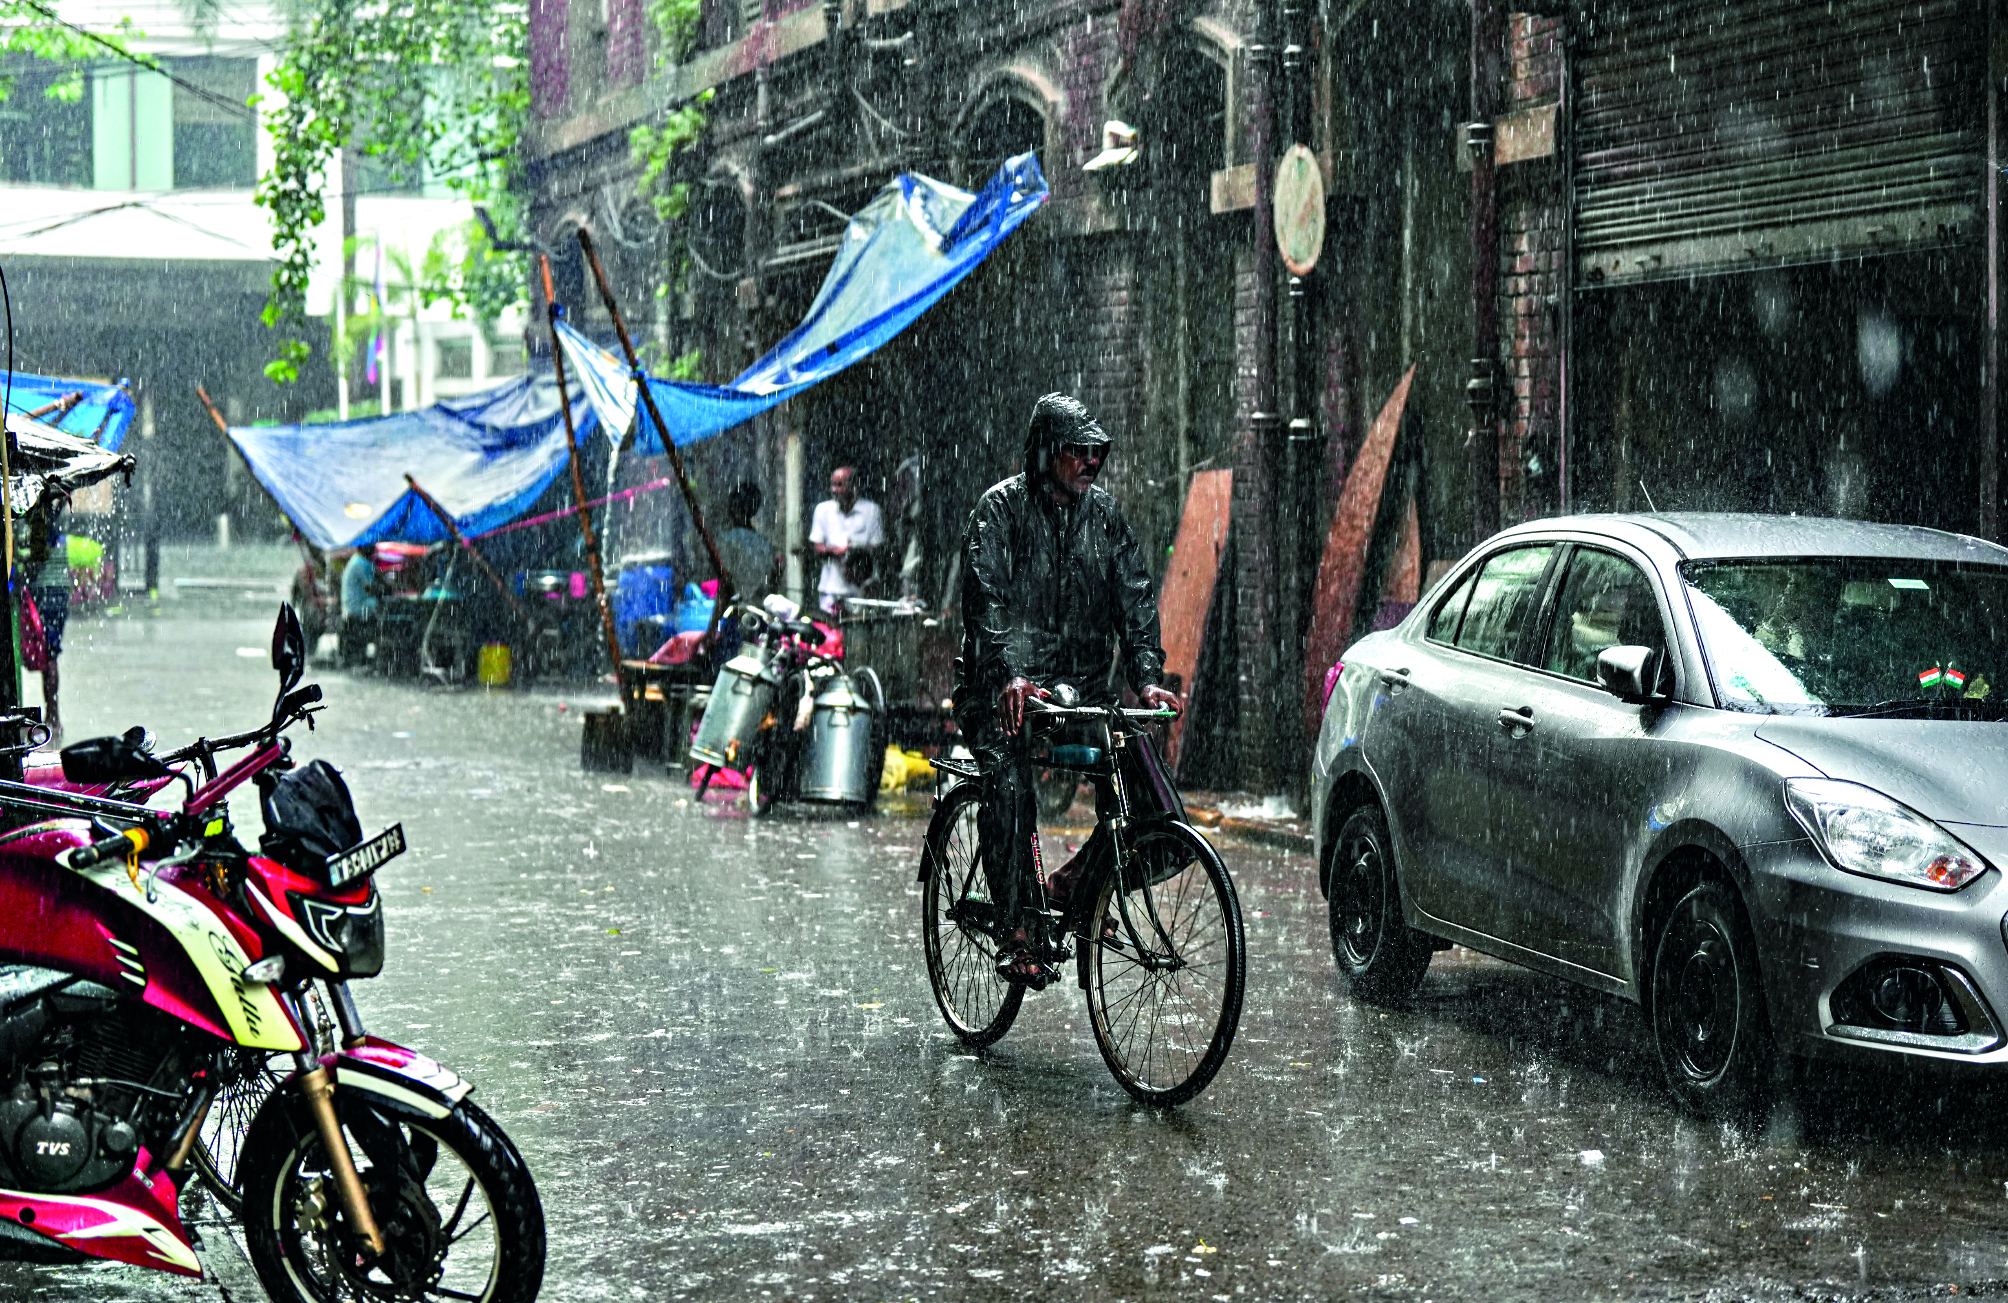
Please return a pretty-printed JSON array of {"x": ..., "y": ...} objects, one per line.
[
  {"x": 1011, "y": 703},
  {"x": 1157, "y": 698}
]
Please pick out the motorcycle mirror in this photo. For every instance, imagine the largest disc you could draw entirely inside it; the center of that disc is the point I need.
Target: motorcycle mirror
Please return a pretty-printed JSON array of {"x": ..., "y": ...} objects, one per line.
[
  {"x": 109, "y": 760},
  {"x": 289, "y": 648}
]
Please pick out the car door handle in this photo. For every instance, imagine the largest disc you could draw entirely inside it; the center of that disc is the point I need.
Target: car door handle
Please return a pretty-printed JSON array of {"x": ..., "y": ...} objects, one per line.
[
  {"x": 1512, "y": 717},
  {"x": 1397, "y": 678}
]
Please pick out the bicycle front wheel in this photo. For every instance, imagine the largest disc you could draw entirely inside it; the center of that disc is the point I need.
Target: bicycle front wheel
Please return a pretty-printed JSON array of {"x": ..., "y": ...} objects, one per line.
[
  {"x": 959, "y": 926},
  {"x": 256, "y": 1074},
  {"x": 1165, "y": 964}
]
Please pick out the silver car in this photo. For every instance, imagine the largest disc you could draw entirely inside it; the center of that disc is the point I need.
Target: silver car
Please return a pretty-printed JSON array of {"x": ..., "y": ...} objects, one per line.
[{"x": 1750, "y": 772}]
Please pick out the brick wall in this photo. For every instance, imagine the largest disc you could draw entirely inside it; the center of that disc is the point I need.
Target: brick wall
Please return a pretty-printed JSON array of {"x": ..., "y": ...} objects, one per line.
[
  {"x": 550, "y": 47},
  {"x": 1533, "y": 286},
  {"x": 627, "y": 43}
]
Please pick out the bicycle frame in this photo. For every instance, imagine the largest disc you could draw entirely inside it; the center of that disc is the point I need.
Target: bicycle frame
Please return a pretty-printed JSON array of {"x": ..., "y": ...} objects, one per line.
[{"x": 1115, "y": 812}]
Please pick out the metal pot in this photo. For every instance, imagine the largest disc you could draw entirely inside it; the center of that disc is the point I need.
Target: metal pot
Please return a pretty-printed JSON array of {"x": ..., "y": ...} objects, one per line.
[
  {"x": 740, "y": 701},
  {"x": 844, "y": 755}
]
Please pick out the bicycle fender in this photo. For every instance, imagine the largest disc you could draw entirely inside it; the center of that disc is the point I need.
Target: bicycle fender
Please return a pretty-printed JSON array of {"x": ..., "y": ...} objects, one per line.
[{"x": 392, "y": 1072}]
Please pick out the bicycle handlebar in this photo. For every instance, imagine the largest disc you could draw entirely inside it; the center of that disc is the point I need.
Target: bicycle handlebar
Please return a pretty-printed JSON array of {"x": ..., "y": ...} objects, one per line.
[{"x": 1035, "y": 704}]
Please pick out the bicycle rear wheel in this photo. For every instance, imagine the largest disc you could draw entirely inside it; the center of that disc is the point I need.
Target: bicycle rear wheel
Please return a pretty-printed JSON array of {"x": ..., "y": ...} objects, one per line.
[
  {"x": 1165, "y": 966},
  {"x": 959, "y": 926}
]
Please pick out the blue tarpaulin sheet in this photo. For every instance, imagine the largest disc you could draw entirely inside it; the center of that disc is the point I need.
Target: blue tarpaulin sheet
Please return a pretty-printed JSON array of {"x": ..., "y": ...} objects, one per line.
[
  {"x": 901, "y": 253},
  {"x": 487, "y": 458},
  {"x": 107, "y": 406}
]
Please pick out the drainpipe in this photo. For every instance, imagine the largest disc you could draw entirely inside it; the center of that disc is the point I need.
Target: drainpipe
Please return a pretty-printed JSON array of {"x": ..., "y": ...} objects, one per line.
[
  {"x": 1262, "y": 754},
  {"x": 1297, "y": 520},
  {"x": 1482, "y": 390},
  {"x": 1989, "y": 470}
]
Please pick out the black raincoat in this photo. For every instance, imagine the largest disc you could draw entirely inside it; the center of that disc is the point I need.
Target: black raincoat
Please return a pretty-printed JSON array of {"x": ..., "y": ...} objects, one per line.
[{"x": 1051, "y": 593}]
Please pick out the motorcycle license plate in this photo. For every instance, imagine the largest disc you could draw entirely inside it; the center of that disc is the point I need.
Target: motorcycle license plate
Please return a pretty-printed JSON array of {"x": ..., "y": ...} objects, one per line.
[{"x": 366, "y": 858}]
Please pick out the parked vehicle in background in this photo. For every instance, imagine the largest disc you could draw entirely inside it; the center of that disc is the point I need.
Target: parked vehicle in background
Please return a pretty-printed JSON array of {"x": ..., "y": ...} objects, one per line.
[{"x": 1746, "y": 771}]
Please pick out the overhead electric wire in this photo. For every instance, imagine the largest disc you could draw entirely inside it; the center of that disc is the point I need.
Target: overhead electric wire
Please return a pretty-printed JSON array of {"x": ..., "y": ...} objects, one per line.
[{"x": 148, "y": 62}]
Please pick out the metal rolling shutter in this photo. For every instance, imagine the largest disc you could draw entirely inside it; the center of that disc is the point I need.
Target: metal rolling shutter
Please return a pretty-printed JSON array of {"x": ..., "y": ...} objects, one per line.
[{"x": 1732, "y": 134}]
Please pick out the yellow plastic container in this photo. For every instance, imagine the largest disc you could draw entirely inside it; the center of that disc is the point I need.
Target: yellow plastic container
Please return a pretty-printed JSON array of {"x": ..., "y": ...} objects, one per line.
[{"x": 492, "y": 667}]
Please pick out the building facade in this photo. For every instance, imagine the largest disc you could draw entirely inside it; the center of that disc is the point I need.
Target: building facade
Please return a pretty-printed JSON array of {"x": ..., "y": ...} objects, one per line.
[{"x": 1739, "y": 255}]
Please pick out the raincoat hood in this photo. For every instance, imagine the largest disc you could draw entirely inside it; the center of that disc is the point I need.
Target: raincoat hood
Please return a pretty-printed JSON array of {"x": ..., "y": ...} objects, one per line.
[{"x": 1057, "y": 419}]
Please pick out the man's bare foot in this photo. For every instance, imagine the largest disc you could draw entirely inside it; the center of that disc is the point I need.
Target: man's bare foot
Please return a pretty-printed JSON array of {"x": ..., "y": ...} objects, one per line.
[{"x": 1061, "y": 882}]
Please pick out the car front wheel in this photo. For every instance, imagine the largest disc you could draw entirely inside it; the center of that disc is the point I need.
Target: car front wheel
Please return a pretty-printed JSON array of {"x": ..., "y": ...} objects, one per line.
[
  {"x": 1381, "y": 956},
  {"x": 1708, "y": 1019}
]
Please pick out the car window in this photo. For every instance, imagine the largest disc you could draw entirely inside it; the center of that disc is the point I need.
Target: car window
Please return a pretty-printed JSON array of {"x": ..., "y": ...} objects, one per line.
[
  {"x": 1840, "y": 635},
  {"x": 1443, "y": 625},
  {"x": 1606, "y": 602},
  {"x": 1502, "y": 602}
]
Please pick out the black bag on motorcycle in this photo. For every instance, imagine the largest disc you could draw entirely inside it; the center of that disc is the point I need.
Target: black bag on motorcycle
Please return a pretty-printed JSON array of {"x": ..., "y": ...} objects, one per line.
[{"x": 308, "y": 817}]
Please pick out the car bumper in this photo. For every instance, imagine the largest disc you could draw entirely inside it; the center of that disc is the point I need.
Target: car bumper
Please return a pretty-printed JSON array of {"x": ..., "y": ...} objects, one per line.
[{"x": 1827, "y": 939}]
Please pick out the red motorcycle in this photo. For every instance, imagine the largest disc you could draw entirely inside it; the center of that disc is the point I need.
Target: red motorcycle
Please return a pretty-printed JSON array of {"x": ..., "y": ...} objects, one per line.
[{"x": 151, "y": 967}]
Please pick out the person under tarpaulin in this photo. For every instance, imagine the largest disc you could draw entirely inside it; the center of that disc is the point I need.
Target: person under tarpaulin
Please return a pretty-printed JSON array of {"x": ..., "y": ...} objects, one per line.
[
  {"x": 1053, "y": 584},
  {"x": 360, "y": 607},
  {"x": 846, "y": 531},
  {"x": 750, "y": 559}
]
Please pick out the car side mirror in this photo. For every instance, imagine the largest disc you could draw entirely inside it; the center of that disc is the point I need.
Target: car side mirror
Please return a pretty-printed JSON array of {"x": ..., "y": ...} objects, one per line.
[
  {"x": 289, "y": 648},
  {"x": 109, "y": 760},
  {"x": 1634, "y": 673}
]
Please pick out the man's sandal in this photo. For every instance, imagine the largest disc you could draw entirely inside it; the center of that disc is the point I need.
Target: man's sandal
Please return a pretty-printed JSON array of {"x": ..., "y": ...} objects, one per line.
[{"x": 1025, "y": 969}]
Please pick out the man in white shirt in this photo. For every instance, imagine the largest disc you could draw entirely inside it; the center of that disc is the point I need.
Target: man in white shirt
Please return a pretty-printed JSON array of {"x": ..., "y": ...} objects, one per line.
[{"x": 844, "y": 532}]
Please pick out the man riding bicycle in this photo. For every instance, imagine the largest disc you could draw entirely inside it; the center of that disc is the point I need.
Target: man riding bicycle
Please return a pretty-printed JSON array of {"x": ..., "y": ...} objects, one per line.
[{"x": 1053, "y": 583}]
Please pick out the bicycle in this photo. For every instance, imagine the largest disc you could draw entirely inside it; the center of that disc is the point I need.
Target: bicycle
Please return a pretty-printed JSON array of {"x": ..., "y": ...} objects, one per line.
[{"x": 1153, "y": 918}]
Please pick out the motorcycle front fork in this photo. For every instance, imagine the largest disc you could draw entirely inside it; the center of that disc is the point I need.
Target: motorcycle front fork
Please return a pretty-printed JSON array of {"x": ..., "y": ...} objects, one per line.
[{"x": 317, "y": 1086}]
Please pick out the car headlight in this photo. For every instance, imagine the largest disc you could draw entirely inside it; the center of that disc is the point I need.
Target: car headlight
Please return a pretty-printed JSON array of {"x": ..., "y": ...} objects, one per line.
[{"x": 1863, "y": 831}]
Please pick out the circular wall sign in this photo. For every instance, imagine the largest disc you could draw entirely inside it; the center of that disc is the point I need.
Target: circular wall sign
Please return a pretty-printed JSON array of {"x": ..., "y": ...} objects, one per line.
[{"x": 1300, "y": 209}]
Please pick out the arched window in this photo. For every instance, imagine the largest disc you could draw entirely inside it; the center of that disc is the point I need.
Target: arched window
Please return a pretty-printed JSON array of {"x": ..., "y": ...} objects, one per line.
[{"x": 1006, "y": 127}]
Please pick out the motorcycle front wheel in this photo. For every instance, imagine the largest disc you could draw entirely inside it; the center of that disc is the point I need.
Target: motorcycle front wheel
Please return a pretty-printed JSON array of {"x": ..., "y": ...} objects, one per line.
[{"x": 459, "y": 1213}]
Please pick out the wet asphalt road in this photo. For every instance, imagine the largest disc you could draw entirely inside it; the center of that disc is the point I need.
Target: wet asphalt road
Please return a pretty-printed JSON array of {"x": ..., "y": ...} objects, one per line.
[{"x": 713, "y": 1040}]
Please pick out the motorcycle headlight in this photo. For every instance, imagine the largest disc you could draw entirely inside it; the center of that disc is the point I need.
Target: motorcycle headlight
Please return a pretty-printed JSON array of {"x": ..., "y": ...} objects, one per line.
[{"x": 1861, "y": 830}]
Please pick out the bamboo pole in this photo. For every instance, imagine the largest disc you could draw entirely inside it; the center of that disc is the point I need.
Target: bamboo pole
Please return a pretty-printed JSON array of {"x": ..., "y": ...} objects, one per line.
[
  {"x": 494, "y": 576},
  {"x": 579, "y": 484},
  {"x": 726, "y": 591},
  {"x": 61, "y": 407},
  {"x": 214, "y": 415}
]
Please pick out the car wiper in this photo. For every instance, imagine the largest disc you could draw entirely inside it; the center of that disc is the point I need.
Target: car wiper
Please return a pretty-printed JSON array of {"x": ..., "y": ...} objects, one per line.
[{"x": 1928, "y": 706}]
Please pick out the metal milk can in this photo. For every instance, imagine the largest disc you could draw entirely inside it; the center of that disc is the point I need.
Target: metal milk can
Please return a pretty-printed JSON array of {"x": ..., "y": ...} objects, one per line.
[
  {"x": 740, "y": 702},
  {"x": 843, "y": 757}
]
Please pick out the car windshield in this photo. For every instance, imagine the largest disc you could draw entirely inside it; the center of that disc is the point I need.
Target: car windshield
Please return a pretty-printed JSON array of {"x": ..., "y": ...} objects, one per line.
[{"x": 1850, "y": 636}]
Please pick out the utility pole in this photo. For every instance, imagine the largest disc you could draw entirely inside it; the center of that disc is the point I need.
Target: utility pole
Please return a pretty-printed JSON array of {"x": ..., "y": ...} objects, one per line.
[
  {"x": 1257, "y": 454},
  {"x": 346, "y": 265}
]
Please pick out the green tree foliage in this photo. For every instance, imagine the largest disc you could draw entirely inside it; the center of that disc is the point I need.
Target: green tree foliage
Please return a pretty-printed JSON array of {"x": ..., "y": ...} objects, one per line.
[
  {"x": 438, "y": 86},
  {"x": 30, "y": 28}
]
